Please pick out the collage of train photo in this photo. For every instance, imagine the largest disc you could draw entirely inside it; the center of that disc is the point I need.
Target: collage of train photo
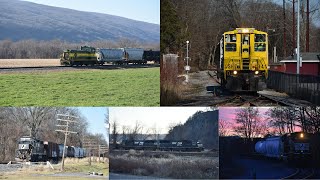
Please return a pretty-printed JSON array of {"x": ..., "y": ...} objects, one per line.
[{"x": 159, "y": 89}]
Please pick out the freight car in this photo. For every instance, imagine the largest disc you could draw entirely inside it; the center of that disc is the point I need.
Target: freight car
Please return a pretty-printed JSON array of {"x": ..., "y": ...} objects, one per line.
[
  {"x": 111, "y": 55},
  {"x": 135, "y": 56},
  {"x": 30, "y": 149},
  {"x": 162, "y": 145},
  {"x": 152, "y": 56},
  {"x": 244, "y": 59},
  {"x": 291, "y": 147},
  {"x": 85, "y": 56}
]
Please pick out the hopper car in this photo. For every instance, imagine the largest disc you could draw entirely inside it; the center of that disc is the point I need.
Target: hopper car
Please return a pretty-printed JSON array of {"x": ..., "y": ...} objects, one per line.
[
  {"x": 111, "y": 55},
  {"x": 291, "y": 147},
  {"x": 34, "y": 150},
  {"x": 135, "y": 56},
  {"x": 243, "y": 62}
]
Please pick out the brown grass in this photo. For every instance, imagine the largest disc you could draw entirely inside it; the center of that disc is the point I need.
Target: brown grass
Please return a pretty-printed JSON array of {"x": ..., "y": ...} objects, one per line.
[
  {"x": 28, "y": 62},
  {"x": 166, "y": 167}
]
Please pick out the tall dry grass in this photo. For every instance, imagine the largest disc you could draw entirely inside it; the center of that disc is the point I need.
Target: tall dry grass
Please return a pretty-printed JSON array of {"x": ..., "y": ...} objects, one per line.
[{"x": 166, "y": 167}]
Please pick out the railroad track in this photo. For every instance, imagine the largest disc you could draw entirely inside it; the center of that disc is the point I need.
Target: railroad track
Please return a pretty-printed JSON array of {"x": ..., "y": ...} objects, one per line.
[
  {"x": 301, "y": 173},
  {"x": 130, "y": 66},
  {"x": 249, "y": 100}
]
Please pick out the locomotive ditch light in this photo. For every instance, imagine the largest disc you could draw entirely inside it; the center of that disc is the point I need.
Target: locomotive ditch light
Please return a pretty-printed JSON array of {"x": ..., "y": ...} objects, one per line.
[
  {"x": 235, "y": 72},
  {"x": 256, "y": 72}
]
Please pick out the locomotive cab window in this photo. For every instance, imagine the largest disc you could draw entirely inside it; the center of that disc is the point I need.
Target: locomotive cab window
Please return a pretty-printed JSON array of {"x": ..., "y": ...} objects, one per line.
[
  {"x": 231, "y": 40},
  {"x": 260, "y": 42}
]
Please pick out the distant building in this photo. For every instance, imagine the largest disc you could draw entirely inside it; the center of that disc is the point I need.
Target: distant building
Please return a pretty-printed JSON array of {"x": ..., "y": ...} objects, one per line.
[{"x": 310, "y": 64}]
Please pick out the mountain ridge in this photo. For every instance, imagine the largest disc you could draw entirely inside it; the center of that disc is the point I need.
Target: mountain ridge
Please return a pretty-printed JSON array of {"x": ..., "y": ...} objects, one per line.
[{"x": 26, "y": 20}]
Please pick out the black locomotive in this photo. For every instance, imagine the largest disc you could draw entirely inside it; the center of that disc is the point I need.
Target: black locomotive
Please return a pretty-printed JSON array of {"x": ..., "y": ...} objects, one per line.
[
  {"x": 161, "y": 145},
  {"x": 34, "y": 150}
]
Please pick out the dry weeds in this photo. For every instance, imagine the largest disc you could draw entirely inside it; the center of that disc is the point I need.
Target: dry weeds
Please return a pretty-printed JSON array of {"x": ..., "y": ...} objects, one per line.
[
  {"x": 28, "y": 62},
  {"x": 166, "y": 167}
]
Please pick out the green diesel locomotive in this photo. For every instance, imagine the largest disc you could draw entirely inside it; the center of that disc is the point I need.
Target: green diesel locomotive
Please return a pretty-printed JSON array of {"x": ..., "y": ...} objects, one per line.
[{"x": 85, "y": 56}]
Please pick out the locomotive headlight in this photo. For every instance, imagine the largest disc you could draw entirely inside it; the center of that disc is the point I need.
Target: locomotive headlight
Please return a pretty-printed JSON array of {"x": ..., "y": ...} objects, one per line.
[
  {"x": 235, "y": 72},
  {"x": 245, "y": 30},
  {"x": 301, "y": 135},
  {"x": 256, "y": 72}
]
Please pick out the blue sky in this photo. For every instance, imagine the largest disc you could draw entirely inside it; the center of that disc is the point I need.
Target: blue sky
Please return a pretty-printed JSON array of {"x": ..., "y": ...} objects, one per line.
[
  {"x": 95, "y": 117},
  {"x": 141, "y": 10}
]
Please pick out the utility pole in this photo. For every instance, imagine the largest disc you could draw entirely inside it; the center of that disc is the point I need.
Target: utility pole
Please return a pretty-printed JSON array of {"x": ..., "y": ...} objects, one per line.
[
  {"x": 284, "y": 28},
  {"x": 308, "y": 25},
  {"x": 293, "y": 25},
  {"x": 90, "y": 144},
  {"x": 65, "y": 120},
  {"x": 298, "y": 38}
]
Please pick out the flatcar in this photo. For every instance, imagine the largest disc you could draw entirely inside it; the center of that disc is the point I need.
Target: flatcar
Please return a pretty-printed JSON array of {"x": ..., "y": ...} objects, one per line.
[
  {"x": 291, "y": 147},
  {"x": 162, "y": 145},
  {"x": 30, "y": 149},
  {"x": 244, "y": 59}
]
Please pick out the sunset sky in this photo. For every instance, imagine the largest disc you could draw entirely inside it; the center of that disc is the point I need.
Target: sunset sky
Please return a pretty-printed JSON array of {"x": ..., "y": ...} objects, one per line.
[{"x": 229, "y": 114}]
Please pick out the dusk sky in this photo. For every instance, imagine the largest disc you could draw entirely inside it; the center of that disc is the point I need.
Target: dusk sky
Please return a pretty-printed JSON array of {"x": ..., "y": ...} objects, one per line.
[
  {"x": 141, "y": 10},
  {"x": 229, "y": 114}
]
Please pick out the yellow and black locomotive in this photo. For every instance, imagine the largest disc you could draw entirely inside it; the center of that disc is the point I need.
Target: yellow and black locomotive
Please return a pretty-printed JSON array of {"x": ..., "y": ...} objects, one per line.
[
  {"x": 244, "y": 59},
  {"x": 85, "y": 56}
]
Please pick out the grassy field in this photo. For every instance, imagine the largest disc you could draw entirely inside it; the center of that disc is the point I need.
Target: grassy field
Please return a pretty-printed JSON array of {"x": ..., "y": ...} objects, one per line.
[
  {"x": 122, "y": 87},
  {"x": 74, "y": 169}
]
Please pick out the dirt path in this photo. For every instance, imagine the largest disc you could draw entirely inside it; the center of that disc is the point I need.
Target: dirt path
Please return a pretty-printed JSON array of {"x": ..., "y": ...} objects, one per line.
[{"x": 199, "y": 90}]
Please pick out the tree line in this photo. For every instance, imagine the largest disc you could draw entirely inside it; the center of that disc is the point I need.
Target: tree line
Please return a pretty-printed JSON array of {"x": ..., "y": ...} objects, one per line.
[
  {"x": 203, "y": 23},
  {"x": 277, "y": 121},
  {"x": 35, "y": 49},
  {"x": 39, "y": 123},
  {"x": 201, "y": 126}
]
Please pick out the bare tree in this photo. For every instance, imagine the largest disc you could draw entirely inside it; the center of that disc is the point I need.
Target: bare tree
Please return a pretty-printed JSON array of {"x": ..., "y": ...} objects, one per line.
[
  {"x": 249, "y": 123},
  {"x": 224, "y": 127},
  {"x": 114, "y": 133}
]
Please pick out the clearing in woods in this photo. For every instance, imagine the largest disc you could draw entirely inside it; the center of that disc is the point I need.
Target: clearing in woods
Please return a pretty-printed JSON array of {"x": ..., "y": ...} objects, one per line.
[{"x": 122, "y": 87}]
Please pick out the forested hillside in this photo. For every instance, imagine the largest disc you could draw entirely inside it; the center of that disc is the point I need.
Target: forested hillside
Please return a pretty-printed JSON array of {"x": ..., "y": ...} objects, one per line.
[{"x": 202, "y": 126}]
